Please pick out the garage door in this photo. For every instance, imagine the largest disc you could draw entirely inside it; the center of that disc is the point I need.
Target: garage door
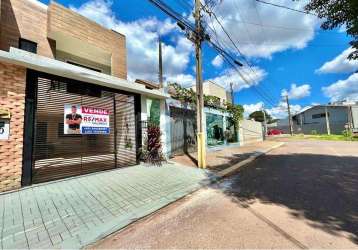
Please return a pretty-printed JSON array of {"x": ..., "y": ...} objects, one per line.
[{"x": 100, "y": 136}]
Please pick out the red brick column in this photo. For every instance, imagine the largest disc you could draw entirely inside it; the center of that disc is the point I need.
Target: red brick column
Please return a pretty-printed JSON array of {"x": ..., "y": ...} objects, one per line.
[{"x": 12, "y": 97}]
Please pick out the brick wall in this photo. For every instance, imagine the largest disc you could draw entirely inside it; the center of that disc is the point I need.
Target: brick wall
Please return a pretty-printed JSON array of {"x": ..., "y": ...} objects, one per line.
[
  {"x": 35, "y": 22},
  {"x": 66, "y": 21},
  {"x": 12, "y": 96},
  {"x": 27, "y": 20}
]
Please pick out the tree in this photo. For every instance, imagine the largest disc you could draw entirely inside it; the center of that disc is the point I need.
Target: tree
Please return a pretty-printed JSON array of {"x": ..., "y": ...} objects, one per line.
[
  {"x": 338, "y": 13},
  {"x": 259, "y": 116}
]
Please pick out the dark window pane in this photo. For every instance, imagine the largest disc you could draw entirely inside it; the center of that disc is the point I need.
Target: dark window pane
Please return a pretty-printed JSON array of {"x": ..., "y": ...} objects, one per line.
[
  {"x": 28, "y": 45},
  {"x": 83, "y": 66},
  {"x": 84, "y": 89}
]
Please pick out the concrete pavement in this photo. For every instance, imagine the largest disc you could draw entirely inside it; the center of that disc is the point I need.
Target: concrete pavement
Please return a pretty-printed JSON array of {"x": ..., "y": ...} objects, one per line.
[
  {"x": 221, "y": 158},
  {"x": 78, "y": 211},
  {"x": 301, "y": 195}
]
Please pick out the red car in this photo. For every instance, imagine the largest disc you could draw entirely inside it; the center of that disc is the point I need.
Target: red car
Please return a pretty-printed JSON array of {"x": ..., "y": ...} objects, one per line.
[{"x": 275, "y": 131}]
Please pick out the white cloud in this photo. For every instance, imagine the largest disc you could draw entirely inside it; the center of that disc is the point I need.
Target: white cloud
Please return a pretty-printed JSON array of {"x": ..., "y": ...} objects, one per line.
[
  {"x": 186, "y": 80},
  {"x": 142, "y": 48},
  {"x": 297, "y": 92},
  {"x": 280, "y": 111},
  {"x": 343, "y": 89},
  {"x": 276, "y": 112},
  {"x": 217, "y": 61},
  {"x": 142, "y": 41},
  {"x": 340, "y": 64},
  {"x": 249, "y": 108},
  {"x": 232, "y": 76},
  {"x": 225, "y": 78},
  {"x": 263, "y": 30}
]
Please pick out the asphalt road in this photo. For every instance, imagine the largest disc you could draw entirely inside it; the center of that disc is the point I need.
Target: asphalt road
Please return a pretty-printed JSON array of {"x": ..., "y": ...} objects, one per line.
[{"x": 302, "y": 195}]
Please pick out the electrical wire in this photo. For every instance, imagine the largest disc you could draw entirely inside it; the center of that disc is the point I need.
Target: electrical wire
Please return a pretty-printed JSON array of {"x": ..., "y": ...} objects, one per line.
[
  {"x": 285, "y": 7},
  {"x": 227, "y": 57},
  {"x": 239, "y": 51}
]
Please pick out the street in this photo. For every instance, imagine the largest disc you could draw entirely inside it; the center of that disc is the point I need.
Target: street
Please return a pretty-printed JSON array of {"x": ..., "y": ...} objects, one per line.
[{"x": 301, "y": 195}]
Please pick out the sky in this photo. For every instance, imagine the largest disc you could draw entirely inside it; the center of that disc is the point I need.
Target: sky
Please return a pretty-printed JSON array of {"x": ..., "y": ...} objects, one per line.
[{"x": 286, "y": 51}]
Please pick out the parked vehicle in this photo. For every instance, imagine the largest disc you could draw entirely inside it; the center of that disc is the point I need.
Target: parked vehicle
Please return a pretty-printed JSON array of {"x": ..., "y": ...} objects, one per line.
[{"x": 275, "y": 131}]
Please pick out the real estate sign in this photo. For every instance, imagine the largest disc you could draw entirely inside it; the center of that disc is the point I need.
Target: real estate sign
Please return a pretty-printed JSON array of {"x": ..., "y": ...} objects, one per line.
[{"x": 85, "y": 120}]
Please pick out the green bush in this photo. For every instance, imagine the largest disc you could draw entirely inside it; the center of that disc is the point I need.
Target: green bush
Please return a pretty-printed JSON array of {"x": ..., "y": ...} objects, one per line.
[{"x": 347, "y": 133}]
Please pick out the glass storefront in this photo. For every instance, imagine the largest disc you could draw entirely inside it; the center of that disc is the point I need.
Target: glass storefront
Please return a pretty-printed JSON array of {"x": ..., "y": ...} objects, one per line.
[
  {"x": 230, "y": 133},
  {"x": 220, "y": 131},
  {"x": 214, "y": 129}
]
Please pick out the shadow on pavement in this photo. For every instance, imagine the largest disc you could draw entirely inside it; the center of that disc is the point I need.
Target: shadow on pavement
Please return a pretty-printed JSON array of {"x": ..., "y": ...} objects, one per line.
[{"x": 321, "y": 188}]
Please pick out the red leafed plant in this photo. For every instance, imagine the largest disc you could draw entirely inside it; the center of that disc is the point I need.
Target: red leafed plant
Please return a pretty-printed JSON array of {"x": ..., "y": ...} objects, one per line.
[{"x": 152, "y": 150}]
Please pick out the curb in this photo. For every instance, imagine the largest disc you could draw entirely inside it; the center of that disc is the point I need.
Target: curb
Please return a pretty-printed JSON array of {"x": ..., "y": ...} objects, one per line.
[{"x": 234, "y": 168}]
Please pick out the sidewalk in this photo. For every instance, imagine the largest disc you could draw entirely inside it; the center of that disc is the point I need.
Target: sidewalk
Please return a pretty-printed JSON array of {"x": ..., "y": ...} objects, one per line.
[
  {"x": 220, "y": 159},
  {"x": 78, "y": 211},
  {"x": 75, "y": 212}
]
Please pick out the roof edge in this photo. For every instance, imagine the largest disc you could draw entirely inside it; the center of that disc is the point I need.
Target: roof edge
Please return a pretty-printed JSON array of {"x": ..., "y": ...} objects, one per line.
[{"x": 58, "y": 68}]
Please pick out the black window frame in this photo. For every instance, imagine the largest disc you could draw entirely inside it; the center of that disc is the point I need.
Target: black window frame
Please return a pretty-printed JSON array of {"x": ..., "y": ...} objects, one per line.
[
  {"x": 320, "y": 115},
  {"x": 30, "y": 43}
]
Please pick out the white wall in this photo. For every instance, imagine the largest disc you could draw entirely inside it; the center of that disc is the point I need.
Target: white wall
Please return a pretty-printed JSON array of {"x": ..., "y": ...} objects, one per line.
[
  {"x": 250, "y": 131},
  {"x": 164, "y": 123}
]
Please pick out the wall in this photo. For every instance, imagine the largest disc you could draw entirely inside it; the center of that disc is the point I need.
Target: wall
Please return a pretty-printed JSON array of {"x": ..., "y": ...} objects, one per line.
[
  {"x": 28, "y": 20},
  {"x": 164, "y": 123},
  {"x": 65, "y": 23},
  {"x": 213, "y": 89},
  {"x": 250, "y": 131},
  {"x": 12, "y": 97},
  {"x": 336, "y": 114},
  {"x": 338, "y": 118},
  {"x": 63, "y": 56},
  {"x": 42, "y": 24}
]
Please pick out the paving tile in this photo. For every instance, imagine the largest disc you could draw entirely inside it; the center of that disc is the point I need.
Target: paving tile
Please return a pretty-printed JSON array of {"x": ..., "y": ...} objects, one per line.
[{"x": 73, "y": 212}]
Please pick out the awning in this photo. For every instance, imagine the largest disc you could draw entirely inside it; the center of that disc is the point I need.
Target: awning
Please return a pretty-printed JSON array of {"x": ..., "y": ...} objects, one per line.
[{"x": 58, "y": 68}]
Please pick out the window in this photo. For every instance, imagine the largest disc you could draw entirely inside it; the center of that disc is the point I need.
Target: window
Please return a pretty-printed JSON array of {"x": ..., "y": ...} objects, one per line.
[
  {"x": 83, "y": 66},
  {"x": 27, "y": 45},
  {"x": 321, "y": 115},
  {"x": 84, "y": 89}
]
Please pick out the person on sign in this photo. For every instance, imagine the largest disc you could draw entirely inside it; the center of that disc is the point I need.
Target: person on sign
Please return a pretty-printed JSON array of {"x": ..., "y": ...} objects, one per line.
[{"x": 73, "y": 120}]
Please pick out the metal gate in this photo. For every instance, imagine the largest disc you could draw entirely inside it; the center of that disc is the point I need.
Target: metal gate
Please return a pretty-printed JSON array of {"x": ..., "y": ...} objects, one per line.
[
  {"x": 58, "y": 155},
  {"x": 183, "y": 130}
]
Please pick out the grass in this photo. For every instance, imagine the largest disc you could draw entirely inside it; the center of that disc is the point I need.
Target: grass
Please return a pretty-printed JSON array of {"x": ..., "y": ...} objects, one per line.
[{"x": 326, "y": 137}]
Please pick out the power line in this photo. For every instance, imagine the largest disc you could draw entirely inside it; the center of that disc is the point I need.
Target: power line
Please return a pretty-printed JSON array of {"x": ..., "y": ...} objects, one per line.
[
  {"x": 239, "y": 51},
  {"x": 186, "y": 6},
  {"x": 285, "y": 7},
  {"x": 250, "y": 66},
  {"x": 263, "y": 96},
  {"x": 184, "y": 24}
]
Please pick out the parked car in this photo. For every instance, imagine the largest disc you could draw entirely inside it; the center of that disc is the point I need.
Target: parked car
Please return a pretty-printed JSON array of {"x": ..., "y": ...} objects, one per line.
[{"x": 275, "y": 131}]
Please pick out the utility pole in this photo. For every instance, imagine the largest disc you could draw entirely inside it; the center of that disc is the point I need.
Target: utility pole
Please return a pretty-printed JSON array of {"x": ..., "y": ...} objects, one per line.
[
  {"x": 232, "y": 92},
  {"x": 199, "y": 87},
  {"x": 265, "y": 121},
  {"x": 350, "y": 118},
  {"x": 327, "y": 120},
  {"x": 160, "y": 65},
  {"x": 289, "y": 115}
]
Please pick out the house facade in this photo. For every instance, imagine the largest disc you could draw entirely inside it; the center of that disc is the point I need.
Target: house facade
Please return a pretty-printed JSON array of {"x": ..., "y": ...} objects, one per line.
[
  {"x": 214, "y": 89},
  {"x": 182, "y": 131},
  {"x": 314, "y": 119},
  {"x": 66, "y": 106}
]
